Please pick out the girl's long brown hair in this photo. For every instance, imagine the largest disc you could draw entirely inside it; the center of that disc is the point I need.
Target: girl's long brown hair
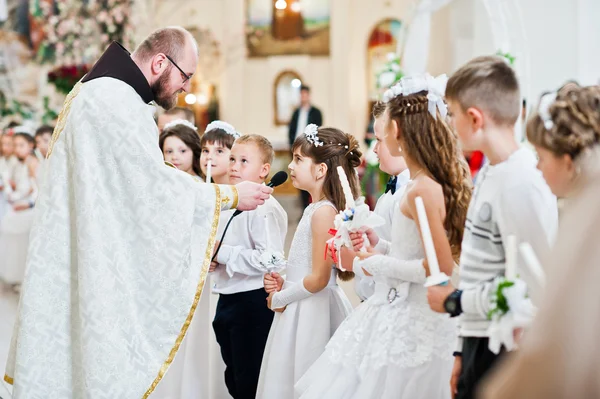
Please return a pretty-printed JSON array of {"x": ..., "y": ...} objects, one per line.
[
  {"x": 434, "y": 145},
  {"x": 190, "y": 137},
  {"x": 338, "y": 149}
]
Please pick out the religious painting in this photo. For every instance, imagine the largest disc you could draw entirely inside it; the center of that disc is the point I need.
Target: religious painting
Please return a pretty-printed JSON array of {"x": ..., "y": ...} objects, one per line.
[
  {"x": 383, "y": 44},
  {"x": 285, "y": 27}
]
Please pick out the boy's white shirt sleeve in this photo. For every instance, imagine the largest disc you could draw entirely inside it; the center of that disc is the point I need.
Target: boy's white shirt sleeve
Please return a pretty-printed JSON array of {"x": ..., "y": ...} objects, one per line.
[
  {"x": 523, "y": 211},
  {"x": 266, "y": 236}
]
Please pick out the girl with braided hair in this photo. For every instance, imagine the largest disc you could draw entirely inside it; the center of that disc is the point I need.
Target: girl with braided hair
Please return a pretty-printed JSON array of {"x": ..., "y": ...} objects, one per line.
[
  {"x": 393, "y": 345},
  {"x": 565, "y": 132},
  {"x": 310, "y": 305}
]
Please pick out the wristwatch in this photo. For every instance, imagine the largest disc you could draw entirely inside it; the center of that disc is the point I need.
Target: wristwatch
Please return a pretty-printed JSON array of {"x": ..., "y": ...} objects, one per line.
[{"x": 452, "y": 303}]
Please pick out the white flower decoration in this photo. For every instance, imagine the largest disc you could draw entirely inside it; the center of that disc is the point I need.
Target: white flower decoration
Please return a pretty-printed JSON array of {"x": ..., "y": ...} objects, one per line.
[
  {"x": 272, "y": 261},
  {"x": 311, "y": 132},
  {"x": 229, "y": 129},
  {"x": 183, "y": 122},
  {"x": 544, "y": 109},
  {"x": 436, "y": 87}
]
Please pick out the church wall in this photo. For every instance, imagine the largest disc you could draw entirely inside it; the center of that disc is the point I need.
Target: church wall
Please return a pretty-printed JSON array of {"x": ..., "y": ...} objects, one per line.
[{"x": 561, "y": 45}]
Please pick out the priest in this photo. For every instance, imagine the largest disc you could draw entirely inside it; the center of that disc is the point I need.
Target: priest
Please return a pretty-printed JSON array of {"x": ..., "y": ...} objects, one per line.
[{"x": 121, "y": 242}]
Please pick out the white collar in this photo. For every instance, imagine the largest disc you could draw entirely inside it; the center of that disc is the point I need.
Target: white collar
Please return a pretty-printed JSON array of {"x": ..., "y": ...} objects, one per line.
[{"x": 403, "y": 178}]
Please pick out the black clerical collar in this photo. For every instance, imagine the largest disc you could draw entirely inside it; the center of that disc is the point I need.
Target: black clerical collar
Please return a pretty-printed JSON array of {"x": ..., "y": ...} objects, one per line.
[{"x": 116, "y": 63}]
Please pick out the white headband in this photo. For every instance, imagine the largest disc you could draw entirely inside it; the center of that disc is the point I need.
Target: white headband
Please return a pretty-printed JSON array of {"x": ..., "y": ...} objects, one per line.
[
  {"x": 23, "y": 130},
  {"x": 183, "y": 122},
  {"x": 223, "y": 126},
  {"x": 544, "y": 109},
  {"x": 435, "y": 88},
  {"x": 311, "y": 132}
]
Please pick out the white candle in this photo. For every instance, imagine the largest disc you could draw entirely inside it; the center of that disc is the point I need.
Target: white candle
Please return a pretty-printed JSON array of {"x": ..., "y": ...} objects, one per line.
[
  {"x": 346, "y": 187},
  {"x": 533, "y": 263},
  {"x": 208, "y": 172},
  {"x": 434, "y": 267},
  {"x": 510, "y": 251}
]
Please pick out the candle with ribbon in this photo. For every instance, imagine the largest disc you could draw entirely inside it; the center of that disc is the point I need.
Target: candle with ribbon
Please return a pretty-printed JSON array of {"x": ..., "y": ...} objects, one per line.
[
  {"x": 208, "y": 172},
  {"x": 346, "y": 187},
  {"x": 511, "y": 258},
  {"x": 436, "y": 277}
]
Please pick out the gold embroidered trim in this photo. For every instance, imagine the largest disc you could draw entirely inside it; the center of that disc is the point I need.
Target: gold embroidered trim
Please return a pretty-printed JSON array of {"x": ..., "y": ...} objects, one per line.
[
  {"x": 235, "y": 197},
  {"x": 62, "y": 117},
  {"x": 169, "y": 164},
  {"x": 203, "y": 273},
  {"x": 9, "y": 379}
]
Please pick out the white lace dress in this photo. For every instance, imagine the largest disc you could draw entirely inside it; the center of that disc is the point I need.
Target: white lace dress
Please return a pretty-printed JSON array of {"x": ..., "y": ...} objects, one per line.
[
  {"x": 393, "y": 345},
  {"x": 299, "y": 335}
]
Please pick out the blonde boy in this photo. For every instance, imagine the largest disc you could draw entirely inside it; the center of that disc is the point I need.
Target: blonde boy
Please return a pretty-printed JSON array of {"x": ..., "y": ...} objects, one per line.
[{"x": 243, "y": 320}]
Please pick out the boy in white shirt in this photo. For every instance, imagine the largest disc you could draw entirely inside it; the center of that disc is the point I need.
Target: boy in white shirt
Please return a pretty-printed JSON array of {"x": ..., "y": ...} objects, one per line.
[
  {"x": 243, "y": 320},
  {"x": 510, "y": 198},
  {"x": 400, "y": 176}
]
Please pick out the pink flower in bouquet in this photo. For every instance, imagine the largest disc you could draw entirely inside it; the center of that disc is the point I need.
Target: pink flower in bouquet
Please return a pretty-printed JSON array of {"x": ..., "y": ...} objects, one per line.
[{"x": 60, "y": 48}]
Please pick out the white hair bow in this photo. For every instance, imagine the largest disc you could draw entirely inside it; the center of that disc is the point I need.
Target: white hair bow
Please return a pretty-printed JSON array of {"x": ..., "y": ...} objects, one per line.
[
  {"x": 435, "y": 87},
  {"x": 229, "y": 129}
]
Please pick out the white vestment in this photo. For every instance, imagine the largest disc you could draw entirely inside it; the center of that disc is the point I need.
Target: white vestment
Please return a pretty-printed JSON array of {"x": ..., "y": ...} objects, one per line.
[{"x": 119, "y": 253}]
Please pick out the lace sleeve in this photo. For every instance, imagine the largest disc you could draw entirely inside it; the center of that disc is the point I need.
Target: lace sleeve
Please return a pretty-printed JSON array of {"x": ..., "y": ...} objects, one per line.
[{"x": 407, "y": 270}]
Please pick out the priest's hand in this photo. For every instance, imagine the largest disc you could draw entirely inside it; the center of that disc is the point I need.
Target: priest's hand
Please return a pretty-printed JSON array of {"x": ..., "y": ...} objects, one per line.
[{"x": 251, "y": 195}]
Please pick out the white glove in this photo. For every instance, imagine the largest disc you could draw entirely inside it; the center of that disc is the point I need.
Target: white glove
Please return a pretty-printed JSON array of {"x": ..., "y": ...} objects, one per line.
[
  {"x": 295, "y": 293},
  {"x": 405, "y": 270}
]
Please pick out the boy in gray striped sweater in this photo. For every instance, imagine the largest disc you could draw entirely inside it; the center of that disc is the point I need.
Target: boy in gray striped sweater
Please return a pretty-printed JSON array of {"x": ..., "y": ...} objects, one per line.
[{"x": 510, "y": 198}]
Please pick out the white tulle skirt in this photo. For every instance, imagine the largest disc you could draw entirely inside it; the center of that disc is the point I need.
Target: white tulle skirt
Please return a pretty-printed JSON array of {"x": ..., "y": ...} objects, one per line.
[
  {"x": 398, "y": 350},
  {"x": 297, "y": 338},
  {"x": 14, "y": 240}
]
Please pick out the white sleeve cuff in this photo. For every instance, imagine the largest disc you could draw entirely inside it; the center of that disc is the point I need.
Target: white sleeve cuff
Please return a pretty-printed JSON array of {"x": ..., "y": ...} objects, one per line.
[
  {"x": 383, "y": 247},
  {"x": 296, "y": 292}
]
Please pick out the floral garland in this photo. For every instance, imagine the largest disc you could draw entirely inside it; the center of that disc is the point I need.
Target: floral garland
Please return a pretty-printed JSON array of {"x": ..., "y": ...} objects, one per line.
[
  {"x": 76, "y": 33},
  {"x": 390, "y": 73}
]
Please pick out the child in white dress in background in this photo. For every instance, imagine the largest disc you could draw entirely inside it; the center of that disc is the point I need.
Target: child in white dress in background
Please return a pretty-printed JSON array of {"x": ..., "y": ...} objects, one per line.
[
  {"x": 393, "y": 345},
  {"x": 7, "y": 163},
  {"x": 311, "y": 305},
  {"x": 43, "y": 136},
  {"x": 16, "y": 223}
]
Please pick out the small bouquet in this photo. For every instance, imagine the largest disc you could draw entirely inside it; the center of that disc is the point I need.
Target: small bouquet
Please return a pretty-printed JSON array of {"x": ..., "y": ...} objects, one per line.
[
  {"x": 511, "y": 310},
  {"x": 272, "y": 261},
  {"x": 356, "y": 215}
]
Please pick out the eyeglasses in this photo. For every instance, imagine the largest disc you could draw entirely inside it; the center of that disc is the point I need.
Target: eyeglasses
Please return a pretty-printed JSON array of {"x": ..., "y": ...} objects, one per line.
[{"x": 184, "y": 75}]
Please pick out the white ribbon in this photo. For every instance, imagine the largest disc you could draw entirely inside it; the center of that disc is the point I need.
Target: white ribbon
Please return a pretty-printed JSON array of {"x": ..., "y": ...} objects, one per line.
[{"x": 436, "y": 88}]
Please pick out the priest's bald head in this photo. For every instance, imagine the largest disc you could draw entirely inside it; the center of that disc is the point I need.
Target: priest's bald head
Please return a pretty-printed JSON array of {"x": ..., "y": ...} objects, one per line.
[{"x": 168, "y": 58}]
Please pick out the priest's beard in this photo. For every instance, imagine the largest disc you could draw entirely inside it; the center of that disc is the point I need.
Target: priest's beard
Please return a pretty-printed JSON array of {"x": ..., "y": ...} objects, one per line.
[{"x": 159, "y": 88}]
